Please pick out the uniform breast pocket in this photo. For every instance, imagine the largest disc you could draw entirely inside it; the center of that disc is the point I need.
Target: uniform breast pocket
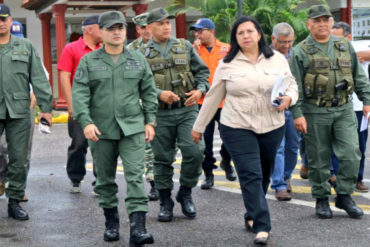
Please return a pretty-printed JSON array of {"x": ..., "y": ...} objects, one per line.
[
  {"x": 21, "y": 102},
  {"x": 20, "y": 64},
  {"x": 131, "y": 80},
  {"x": 100, "y": 80}
]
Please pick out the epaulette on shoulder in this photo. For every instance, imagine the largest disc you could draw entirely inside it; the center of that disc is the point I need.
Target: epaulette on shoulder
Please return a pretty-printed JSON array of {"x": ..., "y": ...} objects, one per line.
[
  {"x": 98, "y": 53},
  {"x": 308, "y": 46},
  {"x": 341, "y": 44}
]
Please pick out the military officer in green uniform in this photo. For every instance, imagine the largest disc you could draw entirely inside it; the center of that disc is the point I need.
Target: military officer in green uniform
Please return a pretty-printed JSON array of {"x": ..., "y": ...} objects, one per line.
[
  {"x": 20, "y": 65},
  {"x": 137, "y": 44},
  {"x": 181, "y": 79},
  {"x": 108, "y": 86},
  {"x": 144, "y": 34},
  {"x": 327, "y": 71}
]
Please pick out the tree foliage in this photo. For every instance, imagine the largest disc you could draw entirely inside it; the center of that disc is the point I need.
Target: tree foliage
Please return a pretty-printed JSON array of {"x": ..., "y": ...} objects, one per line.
[{"x": 267, "y": 12}]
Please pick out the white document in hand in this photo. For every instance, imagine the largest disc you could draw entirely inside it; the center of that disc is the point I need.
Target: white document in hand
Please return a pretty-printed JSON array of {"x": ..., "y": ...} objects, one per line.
[
  {"x": 280, "y": 86},
  {"x": 364, "y": 122}
]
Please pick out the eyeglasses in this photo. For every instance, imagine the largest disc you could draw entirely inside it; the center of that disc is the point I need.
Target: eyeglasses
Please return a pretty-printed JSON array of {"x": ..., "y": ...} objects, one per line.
[
  {"x": 112, "y": 29},
  {"x": 198, "y": 30},
  {"x": 288, "y": 42}
]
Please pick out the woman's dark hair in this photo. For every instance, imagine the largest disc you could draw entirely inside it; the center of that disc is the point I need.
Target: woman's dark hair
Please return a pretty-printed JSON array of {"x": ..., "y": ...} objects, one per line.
[{"x": 262, "y": 43}]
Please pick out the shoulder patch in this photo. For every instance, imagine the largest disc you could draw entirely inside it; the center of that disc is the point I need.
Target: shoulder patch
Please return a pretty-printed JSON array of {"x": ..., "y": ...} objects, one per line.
[{"x": 79, "y": 74}]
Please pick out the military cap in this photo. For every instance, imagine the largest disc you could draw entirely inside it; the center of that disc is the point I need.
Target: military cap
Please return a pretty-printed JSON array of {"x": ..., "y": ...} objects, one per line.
[
  {"x": 158, "y": 14},
  {"x": 4, "y": 10},
  {"x": 90, "y": 20},
  {"x": 140, "y": 20},
  {"x": 316, "y": 11},
  {"x": 110, "y": 18}
]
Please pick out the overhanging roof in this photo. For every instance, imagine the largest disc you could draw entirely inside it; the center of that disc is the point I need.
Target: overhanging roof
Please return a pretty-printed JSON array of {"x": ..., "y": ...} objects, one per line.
[{"x": 44, "y": 6}]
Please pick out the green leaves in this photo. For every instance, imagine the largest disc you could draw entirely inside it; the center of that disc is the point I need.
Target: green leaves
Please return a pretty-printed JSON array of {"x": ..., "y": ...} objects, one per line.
[{"x": 268, "y": 13}]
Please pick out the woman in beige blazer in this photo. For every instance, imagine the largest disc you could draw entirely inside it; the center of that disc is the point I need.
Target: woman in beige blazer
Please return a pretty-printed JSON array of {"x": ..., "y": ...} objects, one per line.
[{"x": 251, "y": 127}]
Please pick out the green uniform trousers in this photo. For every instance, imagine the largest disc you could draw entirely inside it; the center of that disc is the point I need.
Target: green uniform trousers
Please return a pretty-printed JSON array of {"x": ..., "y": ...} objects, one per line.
[
  {"x": 105, "y": 153},
  {"x": 174, "y": 126},
  {"x": 17, "y": 131},
  {"x": 335, "y": 130}
]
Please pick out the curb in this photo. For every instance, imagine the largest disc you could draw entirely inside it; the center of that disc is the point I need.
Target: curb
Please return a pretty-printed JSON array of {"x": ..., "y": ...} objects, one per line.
[{"x": 62, "y": 118}]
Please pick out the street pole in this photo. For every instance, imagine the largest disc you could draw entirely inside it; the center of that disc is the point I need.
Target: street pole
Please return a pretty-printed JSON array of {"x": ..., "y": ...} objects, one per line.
[{"x": 240, "y": 6}]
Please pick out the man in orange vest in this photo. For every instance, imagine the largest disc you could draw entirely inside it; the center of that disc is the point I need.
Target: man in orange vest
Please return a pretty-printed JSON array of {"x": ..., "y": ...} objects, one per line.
[{"x": 211, "y": 51}]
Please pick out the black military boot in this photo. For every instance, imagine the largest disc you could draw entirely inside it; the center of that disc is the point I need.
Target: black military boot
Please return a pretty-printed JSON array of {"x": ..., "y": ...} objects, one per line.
[
  {"x": 165, "y": 213},
  {"x": 229, "y": 170},
  {"x": 345, "y": 202},
  {"x": 187, "y": 205},
  {"x": 209, "y": 181},
  {"x": 323, "y": 210},
  {"x": 15, "y": 211},
  {"x": 154, "y": 193},
  {"x": 111, "y": 232},
  {"x": 138, "y": 234}
]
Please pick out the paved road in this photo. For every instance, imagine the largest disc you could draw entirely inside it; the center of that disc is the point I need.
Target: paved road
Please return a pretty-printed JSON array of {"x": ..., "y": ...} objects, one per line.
[{"x": 58, "y": 218}]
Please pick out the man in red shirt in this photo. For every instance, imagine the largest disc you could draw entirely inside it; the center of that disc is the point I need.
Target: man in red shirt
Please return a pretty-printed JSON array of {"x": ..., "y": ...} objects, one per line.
[
  {"x": 211, "y": 50},
  {"x": 67, "y": 65}
]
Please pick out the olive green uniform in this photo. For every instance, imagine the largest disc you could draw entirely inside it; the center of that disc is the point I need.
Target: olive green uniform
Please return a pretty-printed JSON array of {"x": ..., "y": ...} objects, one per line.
[
  {"x": 178, "y": 69},
  {"x": 20, "y": 65},
  {"x": 326, "y": 75},
  {"x": 107, "y": 94}
]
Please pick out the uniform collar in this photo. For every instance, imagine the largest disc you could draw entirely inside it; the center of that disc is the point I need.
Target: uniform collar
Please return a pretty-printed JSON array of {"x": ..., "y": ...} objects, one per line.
[
  {"x": 311, "y": 40},
  {"x": 153, "y": 44},
  {"x": 102, "y": 54}
]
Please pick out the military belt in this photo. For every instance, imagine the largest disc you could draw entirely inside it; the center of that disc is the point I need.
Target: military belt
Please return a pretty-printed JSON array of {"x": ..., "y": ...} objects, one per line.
[
  {"x": 325, "y": 103},
  {"x": 175, "y": 105}
]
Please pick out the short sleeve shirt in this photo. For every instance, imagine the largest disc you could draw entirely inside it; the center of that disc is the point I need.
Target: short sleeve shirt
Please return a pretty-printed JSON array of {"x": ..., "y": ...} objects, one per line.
[{"x": 71, "y": 55}]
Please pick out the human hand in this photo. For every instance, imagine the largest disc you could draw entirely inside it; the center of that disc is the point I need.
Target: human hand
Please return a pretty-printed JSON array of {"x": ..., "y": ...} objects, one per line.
[
  {"x": 366, "y": 110},
  {"x": 284, "y": 104},
  {"x": 301, "y": 125},
  {"x": 91, "y": 132},
  {"x": 196, "y": 136},
  {"x": 197, "y": 44},
  {"x": 149, "y": 133},
  {"x": 168, "y": 97},
  {"x": 194, "y": 96},
  {"x": 47, "y": 116}
]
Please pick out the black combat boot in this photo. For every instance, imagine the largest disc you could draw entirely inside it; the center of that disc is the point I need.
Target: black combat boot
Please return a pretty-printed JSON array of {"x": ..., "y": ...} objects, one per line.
[
  {"x": 345, "y": 202},
  {"x": 15, "y": 211},
  {"x": 209, "y": 181},
  {"x": 154, "y": 193},
  {"x": 323, "y": 210},
  {"x": 229, "y": 170},
  {"x": 187, "y": 205},
  {"x": 138, "y": 233},
  {"x": 165, "y": 213},
  {"x": 111, "y": 232}
]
